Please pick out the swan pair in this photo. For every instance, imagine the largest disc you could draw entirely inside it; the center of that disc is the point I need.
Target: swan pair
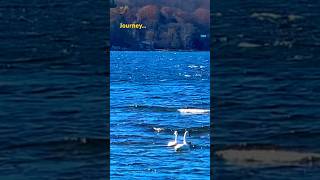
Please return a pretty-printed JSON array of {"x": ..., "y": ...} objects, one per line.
[{"x": 179, "y": 147}]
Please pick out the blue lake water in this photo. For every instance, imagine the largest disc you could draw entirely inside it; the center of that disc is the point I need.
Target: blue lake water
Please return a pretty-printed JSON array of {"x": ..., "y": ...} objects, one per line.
[
  {"x": 53, "y": 90},
  {"x": 53, "y": 93},
  {"x": 147, "y": 90},
  {"x": 266, "y": 76}
]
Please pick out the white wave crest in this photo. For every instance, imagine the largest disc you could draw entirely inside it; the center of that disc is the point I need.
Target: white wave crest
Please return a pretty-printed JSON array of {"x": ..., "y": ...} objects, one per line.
[{"x": 194, "y": 111}]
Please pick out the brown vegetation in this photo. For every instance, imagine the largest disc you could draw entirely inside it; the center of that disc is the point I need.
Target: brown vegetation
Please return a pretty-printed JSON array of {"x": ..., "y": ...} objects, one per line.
[{"x": 169, "y": 24}]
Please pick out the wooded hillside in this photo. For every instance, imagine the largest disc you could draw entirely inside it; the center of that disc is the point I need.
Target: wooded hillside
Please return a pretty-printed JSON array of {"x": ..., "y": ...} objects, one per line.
[{"x": 170, "y": 24}]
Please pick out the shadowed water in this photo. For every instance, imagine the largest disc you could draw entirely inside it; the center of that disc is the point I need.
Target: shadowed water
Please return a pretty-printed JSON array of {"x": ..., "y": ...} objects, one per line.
[
  {"x": 150, "y": 93},
  {"x": 53, "y": 90},
  {"x": 266, "y": 74}
]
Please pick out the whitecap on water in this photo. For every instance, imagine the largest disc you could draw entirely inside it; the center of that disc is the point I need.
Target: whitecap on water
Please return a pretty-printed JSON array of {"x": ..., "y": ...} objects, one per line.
[
  {"x": 193, "y": 111},
  {"x": 192, "y": 66},
  {"x": 248, "y": 45},
  {"x": 158, "y": 129}
]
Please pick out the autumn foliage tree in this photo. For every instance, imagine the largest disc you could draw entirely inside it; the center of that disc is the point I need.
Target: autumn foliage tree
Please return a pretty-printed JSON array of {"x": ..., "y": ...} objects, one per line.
[
  {"x": 176, "y": 24},
  {"x": 202, "y": 16}
]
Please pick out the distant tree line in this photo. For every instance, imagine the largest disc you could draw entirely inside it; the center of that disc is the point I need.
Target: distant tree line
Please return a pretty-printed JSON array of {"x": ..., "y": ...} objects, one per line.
[{"x": 170, "y": 24}]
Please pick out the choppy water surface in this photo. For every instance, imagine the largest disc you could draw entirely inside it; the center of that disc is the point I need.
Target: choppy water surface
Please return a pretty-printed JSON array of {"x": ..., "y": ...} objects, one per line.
[
  {"x": 266, "y": 74},
  {"x": 150, "y": 92},
  {"x": 53, "y": 90}
]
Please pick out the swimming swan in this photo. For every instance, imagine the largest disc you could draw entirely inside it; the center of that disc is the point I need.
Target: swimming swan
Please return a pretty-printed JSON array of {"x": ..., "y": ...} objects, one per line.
[
  {"x": 173, "y": 143},
  {"x": 184, "y": 145}
]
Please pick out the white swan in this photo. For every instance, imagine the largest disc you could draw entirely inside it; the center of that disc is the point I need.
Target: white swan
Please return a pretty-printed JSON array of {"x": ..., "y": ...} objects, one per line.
[
  {"x": 173, "y": 143},
  {"x": 184, "y": 145}
]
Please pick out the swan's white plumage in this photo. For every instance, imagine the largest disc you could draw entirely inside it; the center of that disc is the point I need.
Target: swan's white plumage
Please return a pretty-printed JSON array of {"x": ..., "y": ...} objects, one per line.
[
  {"x": 175, "y": 142},
  {"x": 184, "y": 145}
]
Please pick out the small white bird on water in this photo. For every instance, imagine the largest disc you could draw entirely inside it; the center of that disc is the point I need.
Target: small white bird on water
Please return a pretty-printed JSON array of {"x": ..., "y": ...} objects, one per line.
[
  {"x": 184, "y": 145},
  {"x": 173, "y": 143}
]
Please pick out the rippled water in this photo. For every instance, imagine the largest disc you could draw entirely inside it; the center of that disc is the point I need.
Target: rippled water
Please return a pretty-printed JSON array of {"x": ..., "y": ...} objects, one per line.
[
  {"x": 266, "y": 74},
  {"x": 53, "y": 90},
  {"x": 147, "y": 91}
]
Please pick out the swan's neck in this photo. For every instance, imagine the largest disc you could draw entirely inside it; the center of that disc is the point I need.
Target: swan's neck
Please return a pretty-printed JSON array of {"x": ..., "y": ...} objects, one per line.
[
  {"x": 176, "y": 137},
  {"x": 184, "y": 138}
]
